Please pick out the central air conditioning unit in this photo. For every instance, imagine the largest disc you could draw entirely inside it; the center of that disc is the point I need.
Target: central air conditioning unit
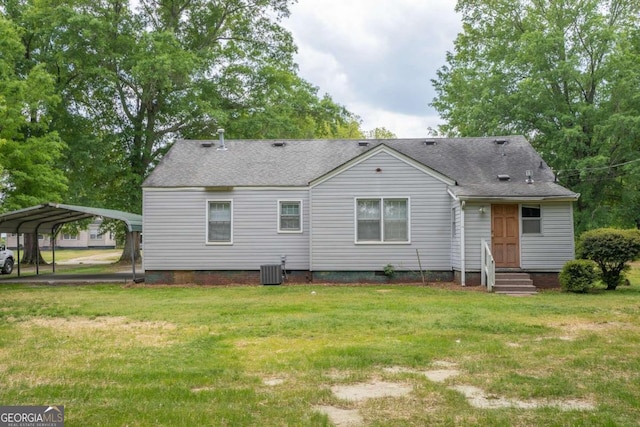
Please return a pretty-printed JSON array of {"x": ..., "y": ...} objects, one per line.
[{"x": 271, "y": 274}]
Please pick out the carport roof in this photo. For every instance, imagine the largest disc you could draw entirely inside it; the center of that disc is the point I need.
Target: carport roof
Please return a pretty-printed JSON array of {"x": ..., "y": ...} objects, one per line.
[{"x": 46, "y": 218}]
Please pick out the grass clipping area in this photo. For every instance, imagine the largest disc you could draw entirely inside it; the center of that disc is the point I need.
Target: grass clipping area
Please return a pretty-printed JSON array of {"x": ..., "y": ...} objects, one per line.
[{"x": 316, "y": 356}]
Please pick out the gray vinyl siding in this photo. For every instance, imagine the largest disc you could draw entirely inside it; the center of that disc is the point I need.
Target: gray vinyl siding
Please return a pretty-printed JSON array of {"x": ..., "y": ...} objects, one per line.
[
  {"x": 175, "y": 231},
  {"x": 333, "y": 218},
  {"x": 549, "y": 250},
  {"x": 477, "y": 228}
]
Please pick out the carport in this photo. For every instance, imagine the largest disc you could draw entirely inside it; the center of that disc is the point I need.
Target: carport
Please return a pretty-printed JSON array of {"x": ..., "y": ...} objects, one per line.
[{"x": 48, "y": 218}]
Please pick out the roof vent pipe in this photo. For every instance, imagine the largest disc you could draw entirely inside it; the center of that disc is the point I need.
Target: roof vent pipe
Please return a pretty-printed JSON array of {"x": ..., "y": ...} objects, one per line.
[
  {"x": 529, "y": 175},
  {"x": 221, "y": 135}
]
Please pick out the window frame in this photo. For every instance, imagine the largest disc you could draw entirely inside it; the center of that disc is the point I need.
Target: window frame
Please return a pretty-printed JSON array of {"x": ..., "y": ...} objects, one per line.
[
  {"x": 524, "y": 219},
  {"x": 208, "y": 210},
  {"x": 382, "y": 240},
  {"x": 300, "y": 217}
]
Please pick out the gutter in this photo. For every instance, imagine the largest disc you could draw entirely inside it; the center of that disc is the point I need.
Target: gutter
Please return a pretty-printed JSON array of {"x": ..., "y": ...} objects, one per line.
[
  {"x": 516, "y": 199},
  {"x": 463, "y": 257}
]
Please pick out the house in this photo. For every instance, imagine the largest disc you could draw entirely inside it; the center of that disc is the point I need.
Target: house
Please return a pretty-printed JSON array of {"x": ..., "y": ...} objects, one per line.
[
  {"x": 216, "y": 211},
  {"x": 91, "y": 238}
]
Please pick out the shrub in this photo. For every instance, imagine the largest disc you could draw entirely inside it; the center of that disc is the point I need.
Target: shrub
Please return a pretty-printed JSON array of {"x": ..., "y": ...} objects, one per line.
[
  {"x": 611, "y": 249},
  {"x": 389, "y": 270},
  {"x": 578, "y": 275}
]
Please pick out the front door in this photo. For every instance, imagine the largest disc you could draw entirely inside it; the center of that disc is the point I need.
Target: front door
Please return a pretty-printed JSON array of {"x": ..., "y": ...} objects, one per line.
[{"x": 505, "y": 236}]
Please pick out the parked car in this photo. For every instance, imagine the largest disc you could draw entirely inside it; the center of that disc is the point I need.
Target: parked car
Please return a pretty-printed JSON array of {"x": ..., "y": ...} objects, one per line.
[{"x": 6, "y": 260}]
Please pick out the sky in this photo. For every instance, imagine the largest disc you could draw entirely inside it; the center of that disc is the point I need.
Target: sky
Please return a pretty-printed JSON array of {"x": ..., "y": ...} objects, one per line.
[{"x": 376, "y": 57}]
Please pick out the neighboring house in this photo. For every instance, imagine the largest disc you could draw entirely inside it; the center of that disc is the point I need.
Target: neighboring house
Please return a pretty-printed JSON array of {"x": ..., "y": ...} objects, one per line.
[
  {"x": 215, "y": 212},
  {"x": 90, "y": 238}
]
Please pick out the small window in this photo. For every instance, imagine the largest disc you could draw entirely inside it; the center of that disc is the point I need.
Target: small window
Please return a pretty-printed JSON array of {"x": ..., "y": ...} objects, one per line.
[
  {"x": 382, "y": 220},
  {"x": 219, "y": 221},
  {"x": 93, "y": 235},
  {"x": 290, "y": 216},
  {"x": 531, "y": 219},
  {"x": 69, "y": 236}
]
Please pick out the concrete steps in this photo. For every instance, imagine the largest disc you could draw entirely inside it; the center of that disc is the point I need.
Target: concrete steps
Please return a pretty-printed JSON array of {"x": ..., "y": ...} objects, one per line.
[{"x": 514, "y": 284}]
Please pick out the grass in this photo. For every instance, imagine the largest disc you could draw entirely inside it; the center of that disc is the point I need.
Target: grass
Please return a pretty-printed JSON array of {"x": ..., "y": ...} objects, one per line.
[
  {"x": 64, "y": 255},
  {"x": 185, "y": 356},
  {"x": 80, "y": 261}
]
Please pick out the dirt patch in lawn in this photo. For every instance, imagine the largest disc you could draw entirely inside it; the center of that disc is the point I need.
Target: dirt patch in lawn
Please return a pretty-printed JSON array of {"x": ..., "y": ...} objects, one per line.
[
  {"x": 371, "y": 390},
  {"x": 570, "y": 331},
  {"x": 341, "y": 417},
  {"x": 375, "y": 389},
  {"x": 479, "y": 399},
  {"x": 434, "y": 375},
  {"x": 151, "y": 333},
  {"x": 273, "y": 381}
]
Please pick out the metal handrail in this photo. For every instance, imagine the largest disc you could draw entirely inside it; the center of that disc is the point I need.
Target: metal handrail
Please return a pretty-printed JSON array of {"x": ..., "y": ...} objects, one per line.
[{"x": 487, "y": 267}]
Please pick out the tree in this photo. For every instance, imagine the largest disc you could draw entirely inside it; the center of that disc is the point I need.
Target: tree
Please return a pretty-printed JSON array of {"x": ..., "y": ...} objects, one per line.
[
  {"x": 29, "y": 148},
  {"x": 552, "y": 71},
  {"x": 134, "y": 80},
  {"x": 280, "y": 105},
  {"x": 380, "y": 133}
]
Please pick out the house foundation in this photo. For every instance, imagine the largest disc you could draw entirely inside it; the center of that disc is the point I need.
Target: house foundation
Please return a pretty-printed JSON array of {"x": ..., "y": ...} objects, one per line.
[
  {"x": 230, "y": 278},
  {"x": 541, "y": 280}
]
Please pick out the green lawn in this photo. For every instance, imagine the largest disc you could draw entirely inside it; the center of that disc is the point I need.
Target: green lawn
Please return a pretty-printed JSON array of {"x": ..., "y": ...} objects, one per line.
[
  {"x": 81, "y": 261},
  {"x": 191, "y": 356}
]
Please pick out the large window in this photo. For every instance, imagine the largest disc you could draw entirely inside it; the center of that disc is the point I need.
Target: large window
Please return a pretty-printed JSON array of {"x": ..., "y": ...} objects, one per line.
[
  {"x": 220, "y": 221},
  {"x": 290, "y": 216},
  {"x": 531, "y": 219},
  {"x": 382, "y": 220}
]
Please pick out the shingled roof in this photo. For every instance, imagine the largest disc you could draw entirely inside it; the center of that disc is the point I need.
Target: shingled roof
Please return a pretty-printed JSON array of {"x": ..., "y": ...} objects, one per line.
[{"x": 473, "y": 163}]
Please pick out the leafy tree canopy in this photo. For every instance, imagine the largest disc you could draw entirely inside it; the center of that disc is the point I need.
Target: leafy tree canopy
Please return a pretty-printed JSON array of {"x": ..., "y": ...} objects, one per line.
[
  {"x": 29, "y": 148},
  {"x": 130, "y": 80},
  {"x": 564, "y": 73}
]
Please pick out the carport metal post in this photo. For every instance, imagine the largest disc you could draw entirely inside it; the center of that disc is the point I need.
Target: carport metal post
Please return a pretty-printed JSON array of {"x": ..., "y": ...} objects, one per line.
[
  {"x": 18, "y": 247},
  {"x": 54, "y": 236},
  {"x": 37, "y": 251},
  {"x": 133, "y": 255}
]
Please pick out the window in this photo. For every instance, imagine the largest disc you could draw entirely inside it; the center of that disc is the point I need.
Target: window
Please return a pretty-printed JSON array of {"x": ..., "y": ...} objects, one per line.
[
  {"x": 290, "y": 216},
  {"x": 69, "y": 236},
  {"x": 93, "y": 235},
  {"x": 531, "y": 219},
  {"x": 382, "y": 220},
  {"x": 219, "y": 219}
]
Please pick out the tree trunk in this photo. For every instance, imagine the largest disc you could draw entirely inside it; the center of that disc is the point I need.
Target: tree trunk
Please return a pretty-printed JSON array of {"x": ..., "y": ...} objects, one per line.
[
  {"x": 31, "y": 252},
  {"x": 125, "y": 258}
]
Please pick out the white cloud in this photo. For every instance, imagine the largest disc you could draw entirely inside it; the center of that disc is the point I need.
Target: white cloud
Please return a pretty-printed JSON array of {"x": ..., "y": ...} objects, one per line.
[{"x": 376, "y": 57}]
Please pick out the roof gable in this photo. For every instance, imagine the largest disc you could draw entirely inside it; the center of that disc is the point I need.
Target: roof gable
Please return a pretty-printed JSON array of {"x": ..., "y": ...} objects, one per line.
[{"x": 382, "y": 148}]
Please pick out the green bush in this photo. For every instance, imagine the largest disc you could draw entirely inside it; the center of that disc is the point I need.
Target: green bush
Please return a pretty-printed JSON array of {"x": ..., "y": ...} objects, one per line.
[
  {"x": 611, "y": 249},
  {"x": 578, "y": 275}
]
